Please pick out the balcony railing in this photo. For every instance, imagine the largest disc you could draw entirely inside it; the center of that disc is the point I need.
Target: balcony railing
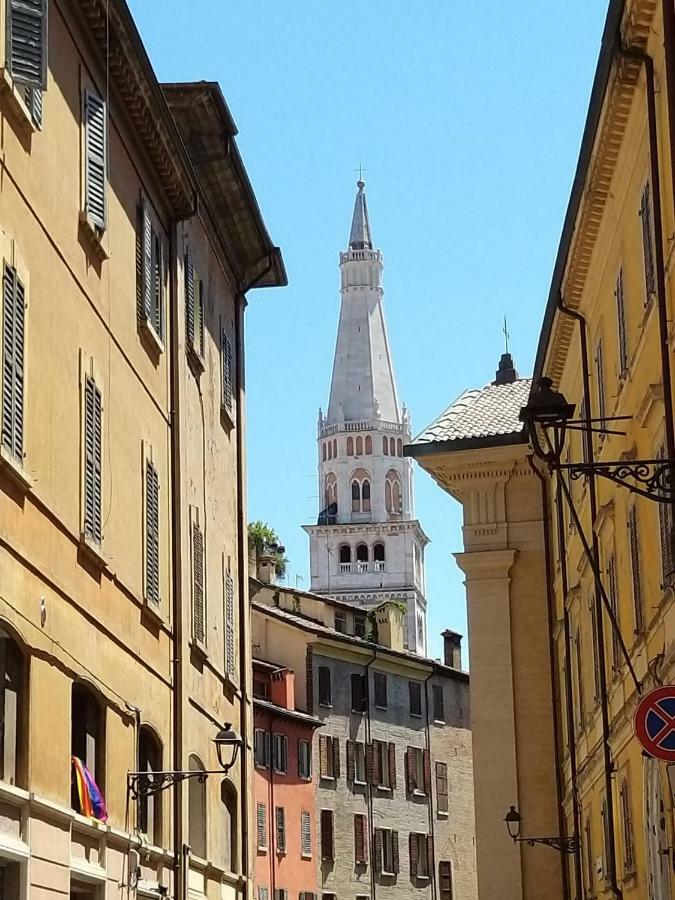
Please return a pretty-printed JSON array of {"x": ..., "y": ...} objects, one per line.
[{"x": 348, "y": 568}]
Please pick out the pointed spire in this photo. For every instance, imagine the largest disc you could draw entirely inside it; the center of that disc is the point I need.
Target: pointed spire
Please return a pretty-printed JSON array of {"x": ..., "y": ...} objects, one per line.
[{"x": 360, "y": 237}]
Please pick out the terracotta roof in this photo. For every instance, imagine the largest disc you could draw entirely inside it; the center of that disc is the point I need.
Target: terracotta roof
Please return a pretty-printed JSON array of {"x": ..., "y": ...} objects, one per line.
[{"x": 482, "y": 417}]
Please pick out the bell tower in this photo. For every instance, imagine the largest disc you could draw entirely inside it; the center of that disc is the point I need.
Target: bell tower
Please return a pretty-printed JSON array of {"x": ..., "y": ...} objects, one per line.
[{"x": 367, "y": 546}]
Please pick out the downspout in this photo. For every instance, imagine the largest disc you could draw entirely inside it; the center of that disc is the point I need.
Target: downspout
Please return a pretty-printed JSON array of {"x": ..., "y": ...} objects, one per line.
[
  {"x": 551, "y": 611},
  {"x": 369, "y": 786},
  {"x": 427, "y": 736},
  {"x": 608, "y": 764}
]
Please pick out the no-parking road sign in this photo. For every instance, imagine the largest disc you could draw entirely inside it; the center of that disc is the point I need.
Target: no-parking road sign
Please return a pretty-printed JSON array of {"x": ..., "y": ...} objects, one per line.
[{"x": 655, "y": 723}]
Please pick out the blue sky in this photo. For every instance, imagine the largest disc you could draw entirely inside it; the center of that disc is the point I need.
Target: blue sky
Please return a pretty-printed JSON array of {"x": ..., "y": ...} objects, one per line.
[{"x": 467, "y": 118}]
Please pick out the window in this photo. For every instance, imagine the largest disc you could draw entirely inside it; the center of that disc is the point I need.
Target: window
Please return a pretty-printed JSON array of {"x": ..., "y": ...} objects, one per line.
[
  {"x": 327, "y": 834},
  {"x": 280, "y": 819},
  {"x": 280, "y": 894},
  {"x": 261, "y": 825},
  {"x": 341, "y": 621},
  {"x": 392, "y": 492},
  {"x": 648, "y": 243},
  {"x": 330, "y": 489},
  {"x": 13, "y": 332},
  {"x": 359, "y": 624},
  {"x": 87, "y": 737},
  {"x": 329, "y": 756},
  {"x": 442, "y": 787},
  {"x": 194, "y": 307},
  {"x": 415, "y": 697},
  {"x": 399, "y": 447},
  {"x": 392, "y": 447},
  {"x": 152, "y": 272},
  {"x": 360, "y": 489},
  {"x": 586, "y": 425},
  {"x": 580, "y": 682},
  {"x": 150, "y": 807},
  {"x": 627, "y": 829},
  {"x": 280, "y": 753},
  {"x": 622, "y": 333},
  {"x": 359, "y": 692},
  {"x": 380, "y": 682},
  {"x": 445, "y": 880},
  {"x": 11, "y": 880},
  {"x": 304, "y": 759},
  {"x": 230, "y": 643},
  {"x": 385, "y": 446},
  {"x": 345, "y": 553},
  {"x": 381, "y": 764},
  {"x": 12, "y": 710},
  {"x": 261, "y": 748},
  {"x": 230, "y": 830},
  {"x": 421, "y": 861},
  {"x": 325, "y": 691},
  {"x": 263, "y": 893},
  {"x": 151, "y": 533},
  {"x": 600, "y": 376},
  {"x": 95, "y": 160},
  {"x": 306, "y": 833},
  {"x": 378, "y": 554},
  {"x": 369, "y": 445},
  {"x": 612, "y": 591},
  {"x": 27, "y": 42},
  {"x": 350, "y": 446},
  {"x": 92, "y": 488},
  {"x": 360, "y": 840},
  {"x": 595, "y": 654},
  {"x": 197, "y": 809},
  {"x": 666, "y": 535},
  {"x": 418, "y": 770},
  {"x": 226, "y": 359},
  {"x": 365, "y": 496},
  {"x": 386, "y": 851},
  {"x": 361, "y": 558},
  {"x": 356, "y": 762},
  {"x": 634, "y": 545},
  {"x": 439, "y": 705},
  {"x": 323, "y": 452},
  {"x": 198, "y": 594},
  {"x": 359, "y": 446},
  {"x": 307, "y": 895}
]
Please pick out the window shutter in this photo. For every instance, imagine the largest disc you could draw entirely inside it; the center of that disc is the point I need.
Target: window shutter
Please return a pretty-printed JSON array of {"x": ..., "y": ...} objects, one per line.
[
  {"x": 199, "y": 632},
  {"x": 13, "y": 326},
  {"x": 445, "y": 880},
  {"x": 439, "y": 706},
  {"x": 634, "y": 542},
  {"x": 370, "y": 764},
  {"x": 378, "y": 849},
  {"x": 621, "y": 323},
  {"x": 32, "y": 97},
  {"x": 426, "y": 765},
  {"x": 199, "y": 318},
  {"x": 415, "y": 697},
  {"x": 231, "y": 661},
  {"x": 612, "y": 590},
  {"x": 392, "y": 765},
  {"x": 351, "y": 761},
  {"x": 228, "y": 384},
  {"x": 306, "y": 832},
  {"x": 377, "y": 762},
  {"x": 583, "y": 416},
  {"x": 95, "y": 152},
  {"x": 327, "y": 838},
  {"x": 281, "y": 829},
  {"x": 648, "y": 242},
  {"x": 151, "y": 533},
  {"x": 596, "y": 661},
  {"x": 262, "y": 826},
  {"x": 189, "y": 298},
  {"x": 394, "y": 848},
  {"x": 323, "y": 755},
  {"x": 442, "y": 786},
  {"x": 325, "y": 696},
  {"x": 92, "y": 460},
  {"x": 600, "y": 375},
  {"x": 410, "y": 770},
  {"x": 268, "y": 749},
  {"x": 336, "y": 757},
  {"x": 628, "y": 846},
  {"x": 666, "y": 535},
  {"x": 360, "y": 839},
  {"x": 27, "y": 42},
  {"x": 412, "y": 843}
]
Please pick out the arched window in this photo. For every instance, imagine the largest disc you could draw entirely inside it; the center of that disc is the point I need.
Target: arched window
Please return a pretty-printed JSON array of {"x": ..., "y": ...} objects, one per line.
[
  {"x": 86, "y": 737},
  {"x": 228, "y": 796},
  {"x": 345, "y": 553},
  {"x": 323, "y": 451},
  {"x": 399, "y": 447},
  {"x": 378, "y": 552},
  {"x": 330, "y": 489},
  {"x": 392, "y": 492},
  {"x": 350, "y": 446},
  {"x": 359, "y": 446},
  {"x": 396, "y": 495},
  {"x": 150, "y": 808},
  {"x": 12, "y": 711},
  {"x": 330, "y": 449},
  {"x": 197, "y": 809},
  {"x": 387, "y": 495},
  {"x": 392, "y": 447},
  {"x": 361, "y": 553},
  {"x": 369, "y": 445},
  {"x": 334, "y": 447},
  {"x": 360, "y": 481},
  {"x": 365, "y": 496},
  {"x": 385, "y": 446},
  {"x": 356, "y": 496}
]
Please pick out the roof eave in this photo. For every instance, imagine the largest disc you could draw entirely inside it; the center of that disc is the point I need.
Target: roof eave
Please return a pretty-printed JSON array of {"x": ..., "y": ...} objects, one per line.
[{"x": 430, "y": 448}]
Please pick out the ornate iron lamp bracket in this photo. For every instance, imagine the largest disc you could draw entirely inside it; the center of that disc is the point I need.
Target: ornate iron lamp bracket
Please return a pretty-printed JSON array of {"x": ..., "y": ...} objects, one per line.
[
  {"x": 561, "y": 844},
  {"x": 651, "y": 478},
  {"x": 146, "y": 784}
]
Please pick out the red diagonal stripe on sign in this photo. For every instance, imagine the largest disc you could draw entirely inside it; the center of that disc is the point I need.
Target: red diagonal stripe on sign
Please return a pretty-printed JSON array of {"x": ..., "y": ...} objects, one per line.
[{"x": 669, "y": 724}]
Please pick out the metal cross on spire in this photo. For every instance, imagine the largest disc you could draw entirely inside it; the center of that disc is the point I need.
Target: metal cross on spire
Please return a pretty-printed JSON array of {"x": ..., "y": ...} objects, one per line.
[
  {"x": 505, "y": 331},
  {"x": 361, "y": 172}
]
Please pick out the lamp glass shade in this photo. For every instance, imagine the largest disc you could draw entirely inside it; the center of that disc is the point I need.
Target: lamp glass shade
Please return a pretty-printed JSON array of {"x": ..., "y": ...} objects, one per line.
[
  {"x": 227, "y": 737},
  {"x": 512, "y": 819}
]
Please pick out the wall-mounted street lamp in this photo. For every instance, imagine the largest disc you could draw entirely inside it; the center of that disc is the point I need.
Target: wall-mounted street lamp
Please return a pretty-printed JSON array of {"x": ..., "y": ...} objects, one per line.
[
  {"x": 141, "y": 785},
  {"x": 562, "y": 844}
]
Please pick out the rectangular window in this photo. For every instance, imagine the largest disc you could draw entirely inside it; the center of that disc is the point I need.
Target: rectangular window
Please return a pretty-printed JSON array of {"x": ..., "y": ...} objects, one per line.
[
  {"x": 27, "y": 42},
  {"x": 280, "y": 894},
  {"x": 420, "y": 850},
  {"x": 228, "y": 373},
  {"x": 304, "y": 759},
  {"x": 327, "y": 835},
  {"x": 152, "y": 271},
  {"x": 627, "y": 829},
  {"x": 445, "y": 880},
  {"x": 230, "y": 642},
  {"x": 280, "y": 753},
  {"x": 280, "y": 819},
  {"x": 329, "y": 756},
  {"x": 648, "y": 243},
  {"x": 341, "y": 621},
  {"x": 93, "y": 425},
  {"x": 198, "y": 594},
  {"x": 613, "y": 595},
  {"x": 439, "y": 705},
  {"x": 359, "y": 699},
  {"x": 600, "y": 376},
  {"x": 386, "y": 851},
  {"x": 307, "y": 895},
  {"x": 622, "y": 331},
  {"x": 595, "y": 654},
  {"x": 580, "y": 681},
  {"x": 380, "y": 681},
  {"x": 356, "y": 762},
  {"x": 262, "y": 826},
  {"x": 261, "y": 748},
  {"x": 194, "y": 307},
  {"x": 151, "y": 533},
  {"x": 359, "y": 625},
  {"x": 417, "y": 777},
  {"x": 383, "y": 766},
  {"x": 95, "y": 159},
  {"x": 13, "y": 332},
  {"x": 583, "y": 416},
  {"x": 360, "y": 839},
  {"x": 263, "y": 893},
  {"x": 325, "y": 692},
  {"x": 666, "y": 536},
  {"x": 415, "y": 697},
  {"x": 590, "y": 862},
  {"x": 634, "y": 546},
  {"x": 306, "y": 833},
  {"x": 442, "y": 787}
]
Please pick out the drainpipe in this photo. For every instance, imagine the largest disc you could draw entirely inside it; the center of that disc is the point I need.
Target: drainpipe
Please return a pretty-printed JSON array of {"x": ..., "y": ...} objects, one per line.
[
  {"x": 608, "y": 764},
  {"x": 427, "y": 736},
  {"x": 369, "y": 786},
  {"x": 551, "y": 610}
]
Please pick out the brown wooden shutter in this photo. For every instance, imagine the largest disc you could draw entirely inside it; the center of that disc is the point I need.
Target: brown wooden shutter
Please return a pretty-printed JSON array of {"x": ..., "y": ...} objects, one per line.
[
  {"x": 412, "y": 844},
  {"x": 378, "y": 849},
  {"x": 323, "y": 755},
  {"x": 309, "y": 675},
  {"x": 336, "y": 758},
  {"x": 377, "y": 762},
  {"x": 442, "y": 786},
  {"x": 360, "y": 842},
  {"x": 370, "y": 766},
  {"x": 445, "y": 880},
  {"x": 351, "y": 761},
  {"x": 426, "y": 759},
  {"x": 327, "y": 835},
  {"x": 410, "y": 774},
  {"x": 621, "y": 323},
  {"x": 392, "y": 765},
  {"x": 394, "y": 847},
  {"x": 648, "y": 243}
]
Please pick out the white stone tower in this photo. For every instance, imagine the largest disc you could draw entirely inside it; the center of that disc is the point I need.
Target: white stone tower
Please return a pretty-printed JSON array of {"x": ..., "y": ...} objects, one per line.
[{"x": 367, "y": 546}]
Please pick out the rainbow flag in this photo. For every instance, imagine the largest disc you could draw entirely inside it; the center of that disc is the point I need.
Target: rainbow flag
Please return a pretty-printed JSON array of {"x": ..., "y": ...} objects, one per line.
[{"x": 92, "y": 803}]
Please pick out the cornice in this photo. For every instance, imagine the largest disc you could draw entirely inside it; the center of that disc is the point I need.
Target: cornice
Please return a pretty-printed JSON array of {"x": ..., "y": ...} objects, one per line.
[{"x": 483, "y": 565}]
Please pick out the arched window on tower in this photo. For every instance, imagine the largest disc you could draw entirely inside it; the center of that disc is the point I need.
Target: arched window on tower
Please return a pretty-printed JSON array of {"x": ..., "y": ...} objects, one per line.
[
  {"x": 323, "y": 451},
  {"x": 361, "y": 558},
  {"x": 385, "y": 446},
  {"x": 369, "y": 445},
  {"x": 350, "y": 446},
  {"x": 359, "y": 446},
  {"x": 334, "y": 448},
  {"x": 392, "y": 492},
  {"x": 360, "y": 482},
  {"x": 330, "y": 489},
  {"x": 392, "y": 447},
  {"x": 356, "y": 496},
  {"x": 345, "y": 553},
  {"x": 378, "y": 556},
  {"x": 365, "y": 496},
  {"x": 399, "y": 447}
]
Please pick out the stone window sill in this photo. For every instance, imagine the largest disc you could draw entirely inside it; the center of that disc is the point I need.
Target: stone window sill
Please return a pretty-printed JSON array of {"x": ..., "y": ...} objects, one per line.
[
  {"x": 93, "y": 551},
  {"x": 21, "y": 112},
  {"x": 95, "y": 236},
  {"x": 151, "y": 337},
  {"x": 15, "y": 470}
]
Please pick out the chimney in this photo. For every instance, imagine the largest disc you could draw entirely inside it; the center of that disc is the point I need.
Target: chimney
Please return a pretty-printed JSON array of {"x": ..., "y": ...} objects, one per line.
[
  {"x": 282, "y": 689},
  {"x": 266, "y": 568},
  {"x": 389, "y": 619},
  {"x": 452, "y": 649}
]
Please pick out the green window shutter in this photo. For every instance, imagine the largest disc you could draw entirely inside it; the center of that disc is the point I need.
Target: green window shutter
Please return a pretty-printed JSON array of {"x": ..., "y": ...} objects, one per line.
[
  {"x": 151, "y": 533},
  {"x": 13, "y": 325},
  {"x": 230, "y": 661},
  {"x": 27, "y": 42},
  {"x": 621, "y": 323},
  {"x": 189, "y": 298},
  {"x": 93, "y": 414},
  {"x": 228, "y": 383},
  {"x": 198, "y": 617},
  {"x": 147, "y": 267},
  {"x": 95, "y": 152}
]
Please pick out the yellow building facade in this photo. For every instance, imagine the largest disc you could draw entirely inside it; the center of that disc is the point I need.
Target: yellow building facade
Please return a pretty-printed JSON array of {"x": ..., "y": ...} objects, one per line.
[
  {"x": 607, "y": 346},
  {"x": 129, "y": 235}
]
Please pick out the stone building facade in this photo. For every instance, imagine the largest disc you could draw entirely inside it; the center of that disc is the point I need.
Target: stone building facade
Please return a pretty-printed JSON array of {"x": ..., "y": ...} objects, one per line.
[{"x": 126, "y": 251}]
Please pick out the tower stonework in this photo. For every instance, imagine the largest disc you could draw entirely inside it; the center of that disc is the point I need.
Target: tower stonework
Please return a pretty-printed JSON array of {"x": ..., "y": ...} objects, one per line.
[{"x": 367, "y": 546}]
